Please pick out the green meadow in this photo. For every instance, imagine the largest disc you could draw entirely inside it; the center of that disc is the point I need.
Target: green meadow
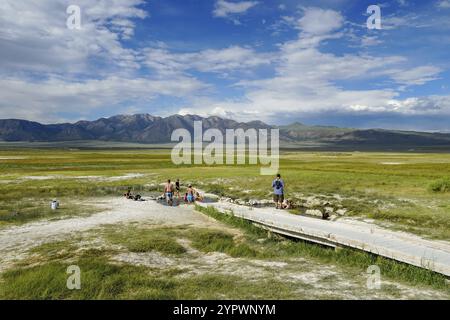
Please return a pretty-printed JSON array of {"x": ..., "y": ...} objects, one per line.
[
  {"x": 403, "y": 191},
  {"x": 409, "y": 191}
]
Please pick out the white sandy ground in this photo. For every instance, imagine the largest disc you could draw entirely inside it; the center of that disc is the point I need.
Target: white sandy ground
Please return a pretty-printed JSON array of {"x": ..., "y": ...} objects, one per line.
[
  {"x": 97, "y": 178},
  {"x": 16, "y": 241},
  {"x": 392, "y": 163},
  {"x": 12, "y": 158},
  {"x": 314, "y": 279},
  {"x": 67, "y": 177}
]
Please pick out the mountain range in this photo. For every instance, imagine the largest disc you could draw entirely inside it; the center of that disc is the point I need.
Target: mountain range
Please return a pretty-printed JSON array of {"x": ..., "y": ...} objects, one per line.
[{"x": 145, "y": 128}]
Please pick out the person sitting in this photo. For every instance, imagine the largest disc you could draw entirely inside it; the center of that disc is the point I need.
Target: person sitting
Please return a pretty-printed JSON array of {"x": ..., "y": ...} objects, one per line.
[
  {"x": 198, "y": 196},
  {"x": 128, "y": 194},
  {"x": 287, "y": 204}
]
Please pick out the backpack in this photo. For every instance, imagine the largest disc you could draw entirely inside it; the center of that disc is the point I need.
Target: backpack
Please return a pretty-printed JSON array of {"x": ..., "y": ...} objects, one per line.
[{"x": 278, "y": 184}]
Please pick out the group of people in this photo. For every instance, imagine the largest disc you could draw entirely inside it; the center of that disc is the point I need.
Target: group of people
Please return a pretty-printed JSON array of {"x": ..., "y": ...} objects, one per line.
[
  {"x": 191, "y": 195},
  {"x": 129, "y": 195},
  {"x": 170, "y": 191}
]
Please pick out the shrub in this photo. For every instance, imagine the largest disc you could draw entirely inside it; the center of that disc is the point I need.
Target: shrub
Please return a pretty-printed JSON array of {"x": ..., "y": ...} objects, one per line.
[{"x": 442, "y": 185}]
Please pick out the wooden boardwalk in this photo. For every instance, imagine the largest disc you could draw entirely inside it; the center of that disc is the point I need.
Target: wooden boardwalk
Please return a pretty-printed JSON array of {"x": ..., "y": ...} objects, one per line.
[{"x": 400, "y": 246}]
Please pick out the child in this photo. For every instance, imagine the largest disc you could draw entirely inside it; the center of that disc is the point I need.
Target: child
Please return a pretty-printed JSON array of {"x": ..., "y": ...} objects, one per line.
[
  {"x": 190, "y": 194},
  {"x": 287, "y": 204}
]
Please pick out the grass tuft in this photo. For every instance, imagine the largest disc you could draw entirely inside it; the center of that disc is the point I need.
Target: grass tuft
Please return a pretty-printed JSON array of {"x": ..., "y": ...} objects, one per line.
[
  {"x": 218, "y": 241},
  {"x": 145, "y": 239},
  {"x": 442, "y": 185}
]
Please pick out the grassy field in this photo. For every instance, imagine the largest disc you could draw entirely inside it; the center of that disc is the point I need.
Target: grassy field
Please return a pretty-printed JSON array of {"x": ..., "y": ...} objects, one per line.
[
  {"x": 229, "y": 273},
  {"x": 406, "y": 191}
]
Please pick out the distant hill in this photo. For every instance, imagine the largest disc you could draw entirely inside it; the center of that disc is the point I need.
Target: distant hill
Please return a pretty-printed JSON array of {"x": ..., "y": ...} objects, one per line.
[
  {"x": 367, "y": 139},
  {"x": 145, "y": 128},
  {"x": 142, "y": 128},
  {"x": 300, "y": 132}
]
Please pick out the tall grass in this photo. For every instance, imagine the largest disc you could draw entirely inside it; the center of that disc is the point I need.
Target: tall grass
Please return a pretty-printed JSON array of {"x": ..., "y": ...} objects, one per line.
[
  {"x": 441, "y": 185},
  {"x": 218, "y": 241},
  {"x": 145, "y": 240},
  {"x": 102, "y": 280}
]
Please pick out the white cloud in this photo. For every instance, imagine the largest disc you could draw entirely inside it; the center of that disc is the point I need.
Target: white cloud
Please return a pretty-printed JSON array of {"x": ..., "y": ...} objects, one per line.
[
  {"x": 402, "y": 3},
  {"x": 221, "y": 61},
  {"x": 285, "y": 23},
  {"x": 47, "y": 69},
  {"x": 410, "y": 20},
  {"x": 317, "y": 21},
  {"x": 43, "y": 100},
  {"x": 416, "y": 76},
  {"x": 225, "y": 9},
  {"x": 307, "y": 80},
  {"x": 445, "y": 4},
  {"x": 429, "y": 105},
  {"x": 369, "y": 41},
  {"x": 34, "y": 36},
  {"x": 349, "y": 103}
]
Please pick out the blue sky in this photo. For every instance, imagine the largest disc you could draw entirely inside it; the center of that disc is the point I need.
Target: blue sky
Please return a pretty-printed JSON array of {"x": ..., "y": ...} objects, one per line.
[{"x": 278, "y": 61}]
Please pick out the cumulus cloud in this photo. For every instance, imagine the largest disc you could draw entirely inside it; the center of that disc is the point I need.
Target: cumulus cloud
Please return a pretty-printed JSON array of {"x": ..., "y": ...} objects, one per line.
[
  {"x": 225, "y": 8},
  {"x": 317, "y": 21},
  {"x": 307, "y": 80},
  {"x": 43, "y": 100},
  {"x": 229, "y": 9},
  {"x": 48, "y": 70},
  {"x": 34, "y": 35},
  {"x": 430, "y": 105}
]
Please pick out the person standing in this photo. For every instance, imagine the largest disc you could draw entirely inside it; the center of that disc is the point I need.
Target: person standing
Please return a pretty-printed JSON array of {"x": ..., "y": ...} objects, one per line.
[
  {"x": 177, "y": 188},
  {"x": 190, "y": 194},
  {"x": 278, "y": 191},
  {"x": 168, "y": 192}
]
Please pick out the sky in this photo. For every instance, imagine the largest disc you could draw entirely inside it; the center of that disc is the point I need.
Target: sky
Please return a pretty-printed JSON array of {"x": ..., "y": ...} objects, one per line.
[{"x": 315, "y": 62}]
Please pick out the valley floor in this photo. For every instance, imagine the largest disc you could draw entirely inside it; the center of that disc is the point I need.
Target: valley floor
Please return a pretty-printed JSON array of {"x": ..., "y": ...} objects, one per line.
[{"x": 144, "y": 250}]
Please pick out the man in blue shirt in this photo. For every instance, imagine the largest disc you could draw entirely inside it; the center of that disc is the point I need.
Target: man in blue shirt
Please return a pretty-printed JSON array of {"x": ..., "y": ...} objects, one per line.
[{"x": 278, "y": 191}]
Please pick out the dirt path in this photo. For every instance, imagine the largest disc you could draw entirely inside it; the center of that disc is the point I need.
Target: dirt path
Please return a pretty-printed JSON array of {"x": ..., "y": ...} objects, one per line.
[{"x": 16, "y": 241}]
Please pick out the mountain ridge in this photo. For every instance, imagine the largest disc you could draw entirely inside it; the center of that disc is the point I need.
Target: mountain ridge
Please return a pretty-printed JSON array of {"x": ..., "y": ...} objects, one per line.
[{"x": 146, "y": 128}]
